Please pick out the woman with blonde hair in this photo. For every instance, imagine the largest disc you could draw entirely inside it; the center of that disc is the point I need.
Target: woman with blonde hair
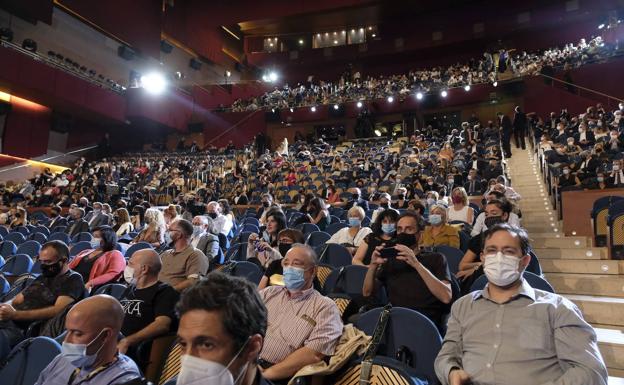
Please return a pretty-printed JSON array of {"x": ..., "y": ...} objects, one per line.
[
  {"x": 154, "y": 230},
  {"x": 170, "y": 214},
  {"x": 20, "y": 218},
  {"x": 122, "y": 225},
  {"x": 461, "y": 210}
]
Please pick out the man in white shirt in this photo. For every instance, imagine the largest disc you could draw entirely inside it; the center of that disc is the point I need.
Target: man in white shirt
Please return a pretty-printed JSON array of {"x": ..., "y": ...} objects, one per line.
[{"x": 222, "y": 224}]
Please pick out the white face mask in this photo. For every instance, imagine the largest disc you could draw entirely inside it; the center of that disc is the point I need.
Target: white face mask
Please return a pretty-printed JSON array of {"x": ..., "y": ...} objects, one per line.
[
  {"x": 197, "y": 230},
  {"x": 501, "y": 269},
  {"x": 77, "y": 353},
  {"x": 95, "y": 242},
  {"x": 128, "y": 275},
  {"x": 196, "y": 371}
]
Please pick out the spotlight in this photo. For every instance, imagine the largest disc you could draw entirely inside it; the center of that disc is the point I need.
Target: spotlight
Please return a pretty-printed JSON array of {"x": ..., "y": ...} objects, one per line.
[
  {"x": 601, "y": 26},
  {"x": 377, "y": 132},
  {"x": 390, "y": 99},
  {"x": 335, "y": 41},
  {"x": 300, "y": 41},
  {"x": 273, "y": 110},
  {"x": 444, "y": 93},
  {"x": 292, "y": 109},
  {"x": 273, "y": 76},
  {"x": 361, "y": 29},
  {"x": 353, "y": 31},
  {"x": 154, "y": 83},
  {"x": 419, "y": 95},
  {"x": 359, "y": 104},
  {"x": 313, "y": 109},
  {"x": 265, "y": 78},
  {"x": 336, "y": 107},
  {"x": 29, "y": 45},
  {"x": 228, "y": 74},
  {"x": 6, "y": 34},
  {"x": 467, "y": 87},
  {"x": 495, "y": 84},
  {"x": 373, "y": 35},
  {"x": 270, "y": 44},
  {"x": 370, "y": 28}
]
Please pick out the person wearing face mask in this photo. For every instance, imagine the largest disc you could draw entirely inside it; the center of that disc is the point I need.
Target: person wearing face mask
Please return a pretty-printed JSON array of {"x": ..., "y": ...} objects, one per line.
[
  {"x": 274, "y": 273},
  {"x": 401, "y": 202},
  {"x": 601, "y": 182},
  {"x": 261, "y": 249},
  {"x": 514, "y": 331},
  {"x": 616, "y": 176},
  {"x": 266, "y": 204},
  {"x": 148, "y": 304},
  {"x": 383, "y": 230},
  {"x": 183, "y": 264},
  {"x": 204, "y": 236},
  {"x": 57, "y": 219},
  {"x": 102, "y": 263},
  {"x": 413, "y": 279},
  {"x": 228, "y": 312},
  {"x": 78, "y": 224},
  {"x": 97, "y": 217},
  {"x": 499, "y": 206},
  {"x": 356, "y": 199},
  {"x": 439, "y": 232},
  {"x": 89, "y": 352},
  {"x": 353, "y": 236},
  {"x": 221, "y": 224},
  {"x": 567, "y": 178},
  {"x": 19, "y": 219},
  {"x": 47, "y": 296},
  {"x": 384, "y": 204},
  {"x": 304, "y": 325},
  {"x": 460, "y": 211},
  {"x": 122, "y": 225}
]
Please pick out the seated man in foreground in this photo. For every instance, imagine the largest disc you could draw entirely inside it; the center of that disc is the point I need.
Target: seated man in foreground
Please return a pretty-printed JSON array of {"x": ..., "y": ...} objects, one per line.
[
  {"x": 89, "y": 353},
  {"x": 46, "y": 297},
  {"x": 304, "y": 326},
  {"x": 511, "y": 334}
]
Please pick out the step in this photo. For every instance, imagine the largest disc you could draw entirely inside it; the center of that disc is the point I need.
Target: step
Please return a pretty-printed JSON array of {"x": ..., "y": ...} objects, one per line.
[
  {"x": 599, "y": 309},
  {"x": 613, "y": 380},
  {"x": 563, "y": 242},
  {"x": 611, "y": 345},
  {"x": 582, "y": 266},
  {"x": 587, "y": 284},
  {"x": 569, "y": 253}
]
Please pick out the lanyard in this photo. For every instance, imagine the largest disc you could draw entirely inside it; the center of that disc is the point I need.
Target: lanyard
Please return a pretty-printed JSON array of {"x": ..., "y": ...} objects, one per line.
[{"x": 89, "y": 376}]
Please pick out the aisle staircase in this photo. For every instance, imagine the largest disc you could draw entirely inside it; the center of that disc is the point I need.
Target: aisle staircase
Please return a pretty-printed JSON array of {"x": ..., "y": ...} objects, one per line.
[{"x": 575, "y": 268}]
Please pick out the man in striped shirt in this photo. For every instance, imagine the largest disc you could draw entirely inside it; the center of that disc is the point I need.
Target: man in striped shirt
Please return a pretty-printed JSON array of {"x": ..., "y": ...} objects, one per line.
[{"x": 303, "y": 325}]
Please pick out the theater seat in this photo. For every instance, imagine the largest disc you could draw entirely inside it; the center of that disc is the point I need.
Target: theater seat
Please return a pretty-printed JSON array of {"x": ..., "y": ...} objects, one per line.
[
  {"x": 28, "y": 359},
  {"x": 535, "y": 281},
  {"x": 112, "y": 289}
]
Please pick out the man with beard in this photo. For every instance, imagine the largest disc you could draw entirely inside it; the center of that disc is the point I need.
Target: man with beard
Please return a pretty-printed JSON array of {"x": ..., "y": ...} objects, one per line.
[{"x": 413, "y": 278}]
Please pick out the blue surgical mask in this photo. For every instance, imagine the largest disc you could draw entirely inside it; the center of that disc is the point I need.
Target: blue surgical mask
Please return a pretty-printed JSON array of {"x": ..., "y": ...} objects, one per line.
[
  {"x": 435, "y": 219},
  {"x": 77, "y": 355},
  {"x": 293, "y": 278},
  {"x": 388, "y": 228},
  {"x": 355, "y": 222}
]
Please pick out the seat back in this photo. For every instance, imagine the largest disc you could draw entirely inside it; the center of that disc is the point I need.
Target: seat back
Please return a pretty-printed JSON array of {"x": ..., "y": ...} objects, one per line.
[
  {"x": 346, "y": 280},
  {"x": 136, "y": 247},
  {"x": 112, "y": 289},
  {"x": 409, "y": 335},
  {"x": 334, "y": 227},
  {"x": 534, "y": 265},
  {"x": 18, "y": 285},
  {"x": 236, "y": 252},
  {"x": 243, "y": 237},
  {"x": 39, "y": 237},
  {"x": 335, "y": 255},
  {"x": 247, "y": 270},
  {"x": 251, "y": 221},
  {"x": 384, "y": 371},
  {"x": 171, "y": 368},
  {"x": 25, "y": 231},
  {"x": 28, "y": 359},
  {"x": 453, "y": 257},
  {"x": 15, "y": 237},
  {"x": 17, "y": 264},
  {"x": 323, "y": 272},
  {"x": 7, "y": 248},
  {"x": 59, "y": 236},
  {"x": 30, "y": 248},
  {"x": 317, "y": 238},
  {"x": 307, "y": 228},
  {"x": 535, "y": 281},
  {"x": 616, "y": 235},
  {"x": 80, "y": 237},
  {"x": 250, "y": 227},
  {"x": 76, "y": 248}
]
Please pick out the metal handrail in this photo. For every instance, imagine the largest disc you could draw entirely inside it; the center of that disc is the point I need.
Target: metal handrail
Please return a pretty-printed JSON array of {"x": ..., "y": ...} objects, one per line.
[
  {"x": 47, "y": 160},
  {"x": 576, "y": 86}
]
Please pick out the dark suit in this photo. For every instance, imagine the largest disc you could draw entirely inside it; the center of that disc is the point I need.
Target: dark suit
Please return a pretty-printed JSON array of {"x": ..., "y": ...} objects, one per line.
[
  {"x": 209, "y": 245},
  {"x": 506, "y": 131},
  {"x": 360, "y": 202},
  {"x": 96, "y": 221},
  {"x": 492, "y": 172},
  {"x": 474, "y": 187},
  {"x": 78, "y": 226},
  {"x": 519, "y": 129},
  {"x": 589, "y": 137}
]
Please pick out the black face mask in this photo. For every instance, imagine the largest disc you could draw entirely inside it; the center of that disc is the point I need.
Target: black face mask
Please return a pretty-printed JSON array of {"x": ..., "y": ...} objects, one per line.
[
  {"x": 265, "y": 204},
  {"x": 355, "y": 196},
  {"x": 384, "y": 205},
  {"x": 401, "y": 196},
  {"x": 405, "y": 239},
  {"x": 52, "y": 270},
  {"x": 54, "y": 214},
  {"x": 493, "y": 221},
  {"x": 283, "y": 248},
  {"x": 212, "y": 215}
]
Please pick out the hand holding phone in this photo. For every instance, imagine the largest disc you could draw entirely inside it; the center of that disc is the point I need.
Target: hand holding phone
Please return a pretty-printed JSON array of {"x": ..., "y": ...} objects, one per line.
[{"x": 388, "y": 252}]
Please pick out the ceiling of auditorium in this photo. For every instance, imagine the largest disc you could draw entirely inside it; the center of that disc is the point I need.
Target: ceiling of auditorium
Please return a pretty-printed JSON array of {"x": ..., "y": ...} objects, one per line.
[{"x": 370, "y": 13}]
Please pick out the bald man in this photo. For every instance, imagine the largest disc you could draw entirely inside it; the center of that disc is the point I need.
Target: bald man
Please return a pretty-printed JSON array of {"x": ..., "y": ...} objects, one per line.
[
  {"x": 148, "y": 304},
  {"x": 89, "y": 355}
]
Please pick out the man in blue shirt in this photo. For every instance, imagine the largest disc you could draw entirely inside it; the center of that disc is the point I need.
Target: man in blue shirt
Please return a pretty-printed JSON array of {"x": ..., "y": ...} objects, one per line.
[{"x": 89, "y": 355}]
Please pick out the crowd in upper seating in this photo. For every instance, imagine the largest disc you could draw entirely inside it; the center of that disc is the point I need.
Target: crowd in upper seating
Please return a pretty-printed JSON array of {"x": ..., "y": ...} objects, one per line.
[{"x": 353, "y": 87}]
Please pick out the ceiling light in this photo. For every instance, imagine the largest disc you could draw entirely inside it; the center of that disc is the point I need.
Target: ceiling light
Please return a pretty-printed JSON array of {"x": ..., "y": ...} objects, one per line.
[
  {"x": 359, "y": 104},
  {"x": 390, "y": 99},
  {"x": 601, "y": 26},
  {"x": 292, "y": 109},
  {"x": 313, "y": 109},
  {"x": 467, "y": 87},
  {"x": 419, "y": 95},
  {"x": 444, "y": 93},
  {"x": 228, "y": 74},
  {"x": 154, "y": 83},
  {"x": 336, "y": 107},
  {"x": 495, "y": 84},
  {"x": 373, "y": 35},
  {"x": 377, "y": 132},
  {"x": 370, "y": 28},
  {"x": 300, "y": 42},
  {"x": 272, "y": 76},
  {"x": 335, "y": 41}
]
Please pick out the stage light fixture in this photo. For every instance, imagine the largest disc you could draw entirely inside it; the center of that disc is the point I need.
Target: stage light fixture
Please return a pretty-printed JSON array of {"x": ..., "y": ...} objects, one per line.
[
  {"x": 377, "y": 132},
  {"x": 228, "y": 74},
  {"x": 273, "y": 76},
  {"x": 154, "y": 83},
  {"x": 495, "y": 84},
  {"x": 444, "y": 93},
  {"x": 336, "y": 107},
  {"x": 359, "y": 104},
  {"x": 292, "y": 109},
  {"x": 29, "y": 45},
  {"x": 313, "y": 109},
  {"x": 390, "y": 99},
  {"x": 467, "y": 87},
  {"x": 601, "y": 26},
  {"x": 265, "y": 78},
  {"x": 300, "y": 41},
  {"x": 335, "y": 41},
  {"x": 373, "y": 35},
  {"x": 419, "y": 95}
]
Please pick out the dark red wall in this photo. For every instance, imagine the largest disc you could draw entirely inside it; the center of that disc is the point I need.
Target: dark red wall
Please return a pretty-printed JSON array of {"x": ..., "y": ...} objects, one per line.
[{"x": 26, "y": 131}]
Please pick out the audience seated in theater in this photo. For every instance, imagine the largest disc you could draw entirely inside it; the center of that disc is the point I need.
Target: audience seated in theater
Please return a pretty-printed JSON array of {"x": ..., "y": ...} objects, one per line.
[
  {"x": 439, "y": 232},
  {"x": 303, "y": 325},
  {"x": 503, "y": 207},
  {"x": 221, "y": 223},
  {"x": 97, "y": 217},
  {"x": 205, "y": 236},
  {"x": 55, "y": 215},
  {"x": 274, "y": 273},
  {"x": 102, "y": 263},
  {"x": 21, "y": 218},
  {"x": 384, "y": 204},
  {"x": 223, "y": 326},
  {"x": 509, "y": 332},
  {"x": 356, "y": 199},
  {"x": 261, "y": 248},
  {"x": 183, "y": 264},
  {"x": 318, "y": 213},
  {"x": 148, "y": 304},
  {"x": 383, "y": 230},
  {"x": 353, "y": 236},
  {"x": 413, "y": 279},
  {"x": 89, "y": 354},
  {"x": 48, "y": 296},
  {"x": 267, "y": 204},
  {"x": 460, "y": 210},
  {"x": 78, "y": 224}
]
